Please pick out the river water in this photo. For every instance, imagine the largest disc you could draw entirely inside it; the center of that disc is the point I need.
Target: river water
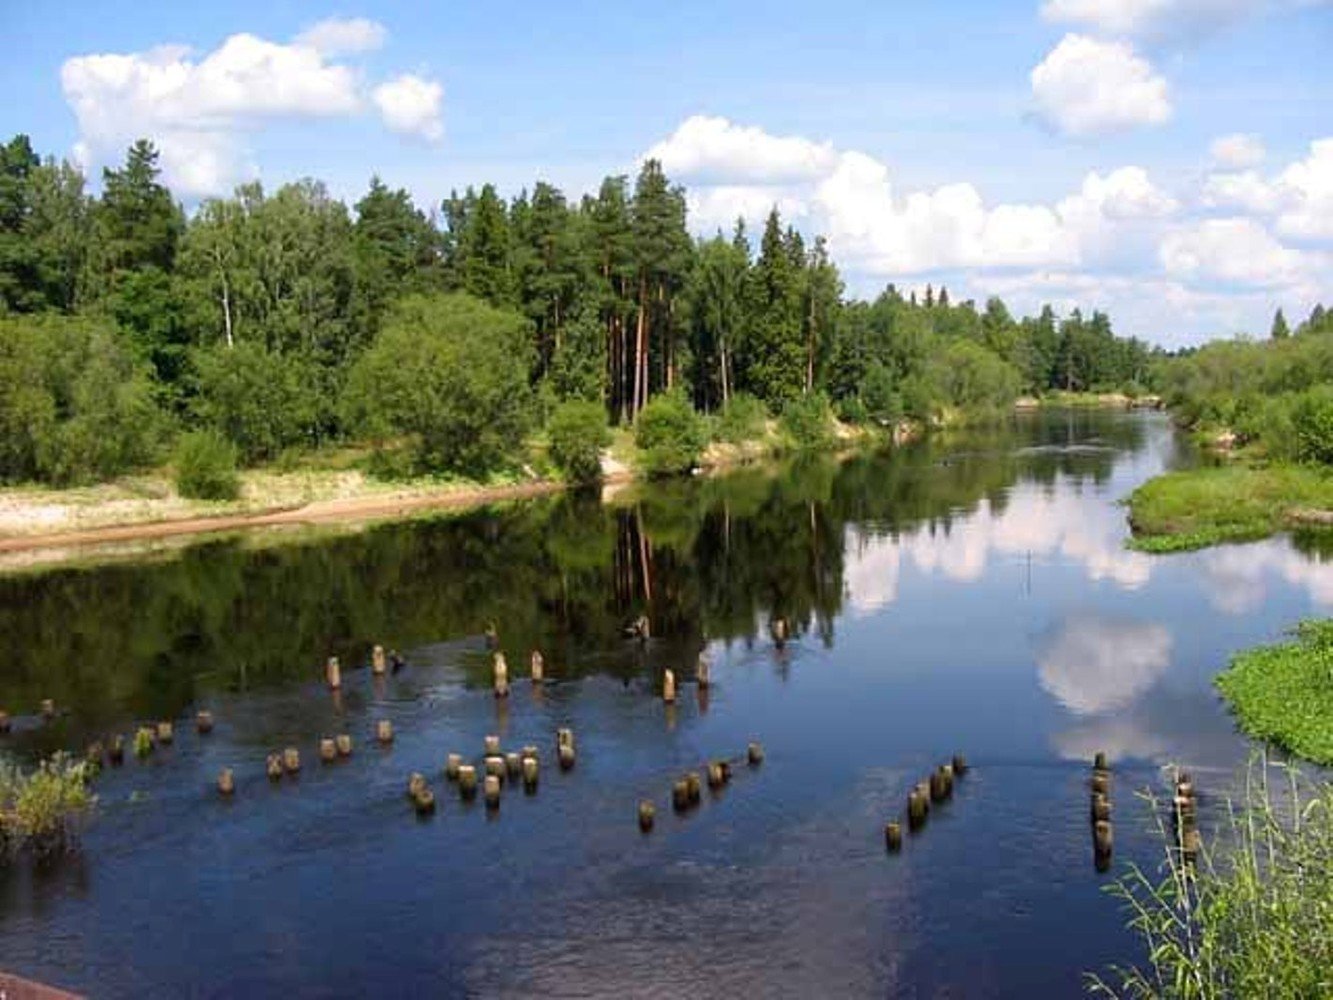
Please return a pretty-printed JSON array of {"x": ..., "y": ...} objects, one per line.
[{"x": 970, "y": 596}]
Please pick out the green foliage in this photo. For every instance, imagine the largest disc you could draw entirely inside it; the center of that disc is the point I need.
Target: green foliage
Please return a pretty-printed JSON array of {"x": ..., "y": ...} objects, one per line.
[
  {"x": 669, "y": 434},
  {"x": 879, "y": 393},
  {"x": 74, "y": 406},
  {"x": 143, "y": 742},
  {"x": 1199, "y": 507},
  {"x": 206, "y": 467},
  {"x": 807, "y": 422},
  {"x": 742, "y": 419},
  {"x": 578, "y": 433},
  {"x": 42, "y": 810},
  {"x": 451, "y": 373},
  {"x": 261, "y": 401},
  {"x": 1284, "y": 693},
  {"x": 578, "y": 363},
  {"x": 1312, "y": 424},
  {"x": 1252, "y": 917}
]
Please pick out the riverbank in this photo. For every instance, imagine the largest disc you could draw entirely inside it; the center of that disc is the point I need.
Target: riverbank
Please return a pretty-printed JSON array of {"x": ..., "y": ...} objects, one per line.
[
  {"x": 1196, "y": 508},
  {"x": 1284, "y": 693},
  {"x": 40, "y": 525}
]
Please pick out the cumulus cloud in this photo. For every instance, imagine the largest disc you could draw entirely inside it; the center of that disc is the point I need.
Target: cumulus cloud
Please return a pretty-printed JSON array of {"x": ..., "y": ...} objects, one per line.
[
  {"x": 1092, "y": 664},
  {"x": 1237, "y": 151},
  {"x": 410, "y": 105},
  {"x": 1306, "y": 191},
  {"x": 1086, "y": 87},
  {"x": 1154, "y": 20},
  {"x": 340, "y": 36},
  {"x": 707, "y": 148},
  {"x": 199, "y": 109},
  {"x": 1230, "y": 250}
]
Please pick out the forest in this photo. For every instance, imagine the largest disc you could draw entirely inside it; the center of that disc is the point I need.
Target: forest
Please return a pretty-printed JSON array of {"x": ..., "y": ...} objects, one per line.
[{"x": 271, "y": 323}]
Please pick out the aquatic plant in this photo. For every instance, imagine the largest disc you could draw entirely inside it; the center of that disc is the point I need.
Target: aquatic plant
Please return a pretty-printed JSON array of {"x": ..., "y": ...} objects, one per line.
[
  {"x": 143, "y": 742},
  {"x": 1252, "y": 916},
  {"x": 41, "y": 811},
  {"x": 1284, "y": 693}
]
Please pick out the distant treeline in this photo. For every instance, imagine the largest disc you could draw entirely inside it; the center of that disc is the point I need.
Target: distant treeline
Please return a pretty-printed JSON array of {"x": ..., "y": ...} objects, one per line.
[{"x": 278, "y": 321}]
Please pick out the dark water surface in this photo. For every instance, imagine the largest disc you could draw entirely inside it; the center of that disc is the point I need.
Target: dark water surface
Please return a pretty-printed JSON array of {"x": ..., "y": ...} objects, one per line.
[{"x": 968, "y": 597}]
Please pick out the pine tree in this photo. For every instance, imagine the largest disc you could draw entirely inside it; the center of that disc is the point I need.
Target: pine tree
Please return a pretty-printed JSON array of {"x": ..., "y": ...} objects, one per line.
[{"x": 1280, "y": 330}]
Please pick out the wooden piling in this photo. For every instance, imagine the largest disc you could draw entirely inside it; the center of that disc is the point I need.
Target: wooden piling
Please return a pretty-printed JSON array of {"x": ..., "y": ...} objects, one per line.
[
  {"x": 116, "y": 749},
  {"x": 694, "y": 786},
  {"x": 203, "y": 721},
  {"x": 647, "y": 815},
  {"x": 530, "y": 769},
  {"x": 491, "y": 745},
  {"x": 452, "y": 763},
  {"x": 343, "y": 744},
  {"x": 416, "y": 781},
  {"x": 5, "y": 724},
  {"x": 48, "y": 708},
  {"x": 701, "y": 672},
  {"x": 501, "y": 676},
  {"x": 668, "y": 686},
  {"x": 538, "y": 667},
  {"x": 566, "y": 755},
  {"x": 333, "y": 673},
  {"x": 959, "y": 765},
  {"x": 754, "y": 754},
  {"x": 893, "y": 837},
  {"x": 226, "y": 781},
  {"x": 513, "y": 764},
  {"x": 491, "y": 791},
  {"x": 1102, "y": 837},
  {"x": 378, "y": 664},
  {"x": 1101, "y": 807},
  {"x": 918, "y": 808},
  {"x": 563, "y": 736},
  {"x": 273, "y": 766},
  {"x": 1099, "y": 761},
  {"x": 291, "y": 760},
  {"x": 467, "y": 782},
  {"x": 680, "y": 795},
  {"x": 165, "y": 732},
  {"x": 384, "y": 731},
  {"x": 423, "y": 801},
  {"x": 1101, "y": 782}
]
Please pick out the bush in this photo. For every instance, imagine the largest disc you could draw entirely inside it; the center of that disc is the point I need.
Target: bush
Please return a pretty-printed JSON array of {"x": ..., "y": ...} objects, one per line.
[
  {"x": 578, "y": 434},
  {"x": 669, "y": 434},
  {"x": 206, "y": 467},
  {"x": 74, "y": 406},
  {"x": 807, "y": 422},
  {"x": 1312, "y": 420},
  {"x": 742, "y": 419},
  {"x": 879, "y": 393},
  {"x": 451, "y": 372},
  {"x": 262, "y": 401},
  {"x": 42, "y": 810}
]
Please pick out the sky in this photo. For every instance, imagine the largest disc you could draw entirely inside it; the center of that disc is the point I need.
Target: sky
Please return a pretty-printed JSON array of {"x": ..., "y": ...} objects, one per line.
[{"x": 1167, "y": 161}]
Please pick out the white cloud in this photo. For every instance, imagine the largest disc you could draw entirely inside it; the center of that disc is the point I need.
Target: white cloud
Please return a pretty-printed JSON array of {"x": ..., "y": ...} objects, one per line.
[
  {"x": 411, "y": 105},
  {"x": 1094, "y": 665},
  {"x": 717, "y": 208},
  {"x": 1154, "y": 20},
  {"x": 1237, "y": 250},
  {"x": 1086, "y": 87},
  {"x": 1237, "y": 151},
  {"x": 704, "y": 148},
  {"x": 1245, "y": 190},
  {"x": 1306, "y": 189},
  {"x": 198, "y": 110},
  {"x": 339, "y": 36}
]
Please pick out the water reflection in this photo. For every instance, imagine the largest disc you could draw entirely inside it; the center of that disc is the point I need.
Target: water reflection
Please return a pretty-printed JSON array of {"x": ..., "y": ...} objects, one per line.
[
  {"x": 1093, "y": 664},
  {"x": 1239, "y": 577}
]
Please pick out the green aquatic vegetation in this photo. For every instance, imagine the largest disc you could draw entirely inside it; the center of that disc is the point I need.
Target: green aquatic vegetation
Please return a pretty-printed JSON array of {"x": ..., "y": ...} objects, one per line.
[
  {"x": 41, "y": 810},
  {"x": 1252, "y": 916},
  {"x": 1196, "y": 508},
  {"x": 1284, "y": 693},
  {"x": 143, "y": 742}
]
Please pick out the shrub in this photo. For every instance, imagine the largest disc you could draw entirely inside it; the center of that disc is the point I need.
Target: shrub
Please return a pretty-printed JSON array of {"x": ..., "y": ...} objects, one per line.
[
  {"x": 42, "y": 810},
  {"x": 879, "y": 393},
  {"x": 742, "y": 419},
  {"x": 206, "y": 467},
  {"x": 1312, "y": 420},
  {"x": 260, "y": 400},
  {"x": 670, "y": 434},
  {"x": 451, "y": 373},
  {"x": 578, "y": 434},
  {"x": 807, "y": 422}
]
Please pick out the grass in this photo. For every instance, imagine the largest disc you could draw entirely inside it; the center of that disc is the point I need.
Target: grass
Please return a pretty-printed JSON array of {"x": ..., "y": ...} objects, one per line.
[
  {"x": 40, "y": 811},
  {"x": 1253, "y": 917},
  {"x": 1284, "y": 693},
  {"x": 1196, "y": 508}
]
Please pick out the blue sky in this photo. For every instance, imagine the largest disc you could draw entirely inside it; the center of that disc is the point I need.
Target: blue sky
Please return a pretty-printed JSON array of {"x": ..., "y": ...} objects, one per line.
[{"x": 1062, "y": 150}]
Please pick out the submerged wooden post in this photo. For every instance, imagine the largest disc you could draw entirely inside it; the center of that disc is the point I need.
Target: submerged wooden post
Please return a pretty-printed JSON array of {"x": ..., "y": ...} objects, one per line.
[
  {"x": 694, "y": 786},
  {"x": 530, "y": 772},
  {"x": 495, "y": 767},
  {"x": 719, "y": 773},
  {"x": 226, "y": 781},
  {"x": 273, "y": 766},
  {"x": 492, "y": 636},
  {"x": 423, "y": 801},
  {"x": 291, "y": 760},
  {"x": 647, "y": 815},
  {"x": 1099, "y": 761},
  {"x": 1101, "y": 783},
  {"x": 754, "y": 754},
  {"x": 918, "y": 806},
  {"x": 467, "y": 782},
  {"x": 491, "y": 745},
  {"x": 893, "y": 837},
  {"x": 343, "y": 743},
  {"x": 491, "y": 790},
  {"x": 959, "y": 765},
  {"x": 777, "y": 627},
  {"x": 501, "y": 676},
  {"x": 333, "y": 673},
  {"x": 416, "y": 781},
  {"x": 328, "y": 750},
  {"x": 452, "y": 763},
  {"x": 566, "y": 756},
  {"x": 384, "y": 731},
  {"x": 513, "y": 764},
  {"x": 668, "y": 686},
  {"x": 701, "y": 674},
  {"x": 116, "y": 749},
  {"x": 1102, "y": 838},
  {"x": 143, "y": 741},
  {"x": 1101, "y": 807},
  {"x": 5, "y": 724},
  {"x": 203, "y": 721},
  {"x": 680, "y": 795},
  {"x": 563, "y": 736},
  {"x": 378, "y": 664},
  {"x": 48, "y": 708},
  {"x": 165, "y": 733},
  {"x": 538, "y": 667}
]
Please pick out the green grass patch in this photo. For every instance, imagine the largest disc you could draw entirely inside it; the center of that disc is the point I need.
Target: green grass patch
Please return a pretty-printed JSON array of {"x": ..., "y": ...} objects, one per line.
[
  {"x": 1284, "y": 693},
  {"x": 1196, "y": 508}
]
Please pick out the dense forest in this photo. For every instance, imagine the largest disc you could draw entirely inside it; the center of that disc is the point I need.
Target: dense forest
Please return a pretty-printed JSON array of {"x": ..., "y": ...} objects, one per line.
[{"x": 274, "y": 322}]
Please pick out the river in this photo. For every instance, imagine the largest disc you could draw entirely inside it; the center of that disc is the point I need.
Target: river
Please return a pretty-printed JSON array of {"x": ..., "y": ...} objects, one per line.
[{"x": 965, "y": 595}]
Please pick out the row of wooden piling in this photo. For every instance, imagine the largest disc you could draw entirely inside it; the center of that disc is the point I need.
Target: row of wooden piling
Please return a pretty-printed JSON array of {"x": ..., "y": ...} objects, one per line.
[
  {"x": 1099, "y": 814},
  {"x": 687, "y": 790},
  {"x": 934, "y": 790}
]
